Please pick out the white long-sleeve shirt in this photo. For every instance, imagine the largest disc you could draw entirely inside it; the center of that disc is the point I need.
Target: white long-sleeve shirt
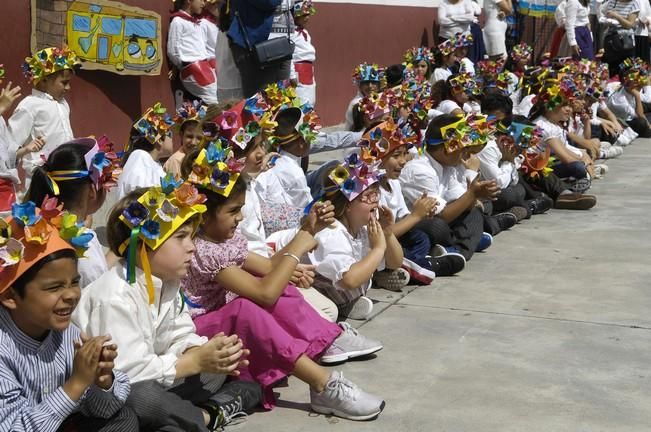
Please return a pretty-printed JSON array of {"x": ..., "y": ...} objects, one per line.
[
  {"x": 622, "y": 104},
  {"x": 210, "y": 33},
  {"x": 421, "y": 175},
  {"x": 492, "y": 167},
  {"x": 141, "y": 170},
  {"x": 455, "y": 18},
  {"x": 40, "y": 115},
  {"x": 576, "y": 15},
  {"x": 287, "y": 173},
  {"x": 185, "y": 42},
  {"x": 643, "y": 19},
  {"x": 252, "y": 226},
  {"x": 151, "y": 337},
  {"x": 8, "y": 149}
]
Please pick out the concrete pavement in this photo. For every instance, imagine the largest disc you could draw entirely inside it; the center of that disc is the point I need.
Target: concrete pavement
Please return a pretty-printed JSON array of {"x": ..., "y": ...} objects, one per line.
[{"x": 549, "y": 330}]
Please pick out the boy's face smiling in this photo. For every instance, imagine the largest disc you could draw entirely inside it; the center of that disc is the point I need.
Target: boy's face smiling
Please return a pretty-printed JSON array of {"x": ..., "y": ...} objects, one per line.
[{"x": 48, "y": 301}]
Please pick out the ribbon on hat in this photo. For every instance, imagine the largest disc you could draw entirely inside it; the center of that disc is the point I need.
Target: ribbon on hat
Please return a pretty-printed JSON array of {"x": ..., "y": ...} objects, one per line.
[{"x": 63, "y": 175}]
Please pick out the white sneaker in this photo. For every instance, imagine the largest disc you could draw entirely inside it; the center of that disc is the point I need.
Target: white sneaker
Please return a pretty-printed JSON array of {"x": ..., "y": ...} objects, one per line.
[
  {"x": 610, "y": 151},
  {"x": 630, "y": 133},
  {"x": 348, "y": 345},
  {"x": 345, "y": 399},
  {"x": 362, "y": 309},
  {"x": 623, "y": 140},
  {"x": 600, "y": 170}
]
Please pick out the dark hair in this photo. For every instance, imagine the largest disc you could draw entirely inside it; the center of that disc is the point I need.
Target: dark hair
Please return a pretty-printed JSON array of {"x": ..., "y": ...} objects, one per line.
[
  {"x": 358, "y": 118},
  {"x": 216, "y": 109},
  {"x": 495, "y": 101},
  {"x": 442, "y": 90},
  {"x": 394, "y": 75},
  {"x": 178, "y": 5},
  {"x": 215, "y": 201},
  {"x": 117, "y": 232},
  {"x": 188, "y": 123},
  {"x": 29, "y": 275},
  {"x": 188, "y": 161},
  {"x": 65, "y": 157},
  {"x": 137, "y": 142}
]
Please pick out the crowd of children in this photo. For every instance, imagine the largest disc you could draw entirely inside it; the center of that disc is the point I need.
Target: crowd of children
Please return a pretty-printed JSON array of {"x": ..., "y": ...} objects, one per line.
[{"x": 230, "y": 267}]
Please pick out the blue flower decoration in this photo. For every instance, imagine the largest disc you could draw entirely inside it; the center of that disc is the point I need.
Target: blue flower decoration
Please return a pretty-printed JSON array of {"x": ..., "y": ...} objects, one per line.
[
  {"x": 215, "y": 153},
  {"x": 251, "y": 105},
  {"x": 135, "y": 214},
  {"x": 25, "y": 213},
  {"x": 349, "y": 185},
  {"x": 81, "y": 241},
  {"x": 150, "y": 229},
  {"x": 169, "y": 184}
]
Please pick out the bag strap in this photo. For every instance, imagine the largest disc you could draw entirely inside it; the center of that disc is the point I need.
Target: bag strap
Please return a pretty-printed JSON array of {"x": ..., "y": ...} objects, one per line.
[{"x": 242, "y": 28}]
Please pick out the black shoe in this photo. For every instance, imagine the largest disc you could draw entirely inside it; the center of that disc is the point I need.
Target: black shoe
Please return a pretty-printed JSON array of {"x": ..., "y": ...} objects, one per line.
[
  {"x": 541, "y": 204},
  {"x": 232, "y": 400},
  {"x": 506, "y": 220},
  {"x": 448, "y": 264}
]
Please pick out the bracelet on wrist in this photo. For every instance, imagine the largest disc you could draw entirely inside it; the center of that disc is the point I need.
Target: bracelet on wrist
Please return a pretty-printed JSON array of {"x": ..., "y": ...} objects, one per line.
[{"x": 291, "y": 255}]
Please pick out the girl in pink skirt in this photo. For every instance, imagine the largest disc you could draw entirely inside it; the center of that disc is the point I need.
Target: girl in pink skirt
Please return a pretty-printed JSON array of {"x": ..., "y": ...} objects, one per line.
[{"x": 232, "y": 290}]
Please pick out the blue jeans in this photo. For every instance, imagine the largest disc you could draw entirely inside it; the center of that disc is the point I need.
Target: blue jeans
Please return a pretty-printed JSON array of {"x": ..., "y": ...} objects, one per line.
[
  {"x": 575, "y": 170},
  {"x": 416, "y": 246}
]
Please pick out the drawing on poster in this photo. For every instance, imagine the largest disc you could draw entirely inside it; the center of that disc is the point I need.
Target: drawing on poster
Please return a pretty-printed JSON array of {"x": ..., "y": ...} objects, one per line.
[{"x": 105, "y": 34}]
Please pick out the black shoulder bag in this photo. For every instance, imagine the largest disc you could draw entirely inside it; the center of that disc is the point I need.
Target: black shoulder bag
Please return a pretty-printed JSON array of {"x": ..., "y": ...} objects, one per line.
[
  {"x": 619, "y": 39},
  {"x": 272, "y": 51}
]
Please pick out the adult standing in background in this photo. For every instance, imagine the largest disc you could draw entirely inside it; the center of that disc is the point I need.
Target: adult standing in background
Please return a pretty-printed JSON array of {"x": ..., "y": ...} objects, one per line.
[
  {"x": 642, "y": 31},
  {"x": 619, "y": 41},
  {"x": 252, "y": 22},
  {"x": 495, "y": 26},
  {"x": 454, "y": 16},
  {"x": 577, "y": 29}
]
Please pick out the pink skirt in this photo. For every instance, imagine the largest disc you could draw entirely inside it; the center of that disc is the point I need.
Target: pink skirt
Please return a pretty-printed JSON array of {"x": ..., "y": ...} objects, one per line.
[{"x": 277, "y": 335}]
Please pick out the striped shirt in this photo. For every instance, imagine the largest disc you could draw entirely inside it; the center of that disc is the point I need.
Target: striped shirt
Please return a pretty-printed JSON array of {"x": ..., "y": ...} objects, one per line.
[
  {"x": 32, "y": 374},
  {"x": 623, "y": 8}
]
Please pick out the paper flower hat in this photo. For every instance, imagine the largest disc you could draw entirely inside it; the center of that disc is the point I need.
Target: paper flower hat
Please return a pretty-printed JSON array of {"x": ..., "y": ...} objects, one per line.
[{"x": 48, "y": 61}]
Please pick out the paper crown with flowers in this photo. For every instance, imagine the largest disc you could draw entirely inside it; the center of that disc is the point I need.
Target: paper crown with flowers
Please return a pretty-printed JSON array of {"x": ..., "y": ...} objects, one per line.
[
  {"x": 490, "y": 68},
  {"x": 520, "y": 136},
  {"x": 190, "y": 111},
  {"x": 416, "y": 97},
  {"x": 48, "y": 61},
  {"x": 467, "y": 131},
  {"x": 102, "y": 165},
  {"x": 242, "y": 123},
  {"x": 521, "y": 51},
  {"x": 303, "y": 8},
  {"x": 376, "y": 105},
  {"x": 216, "y": 169},
  {"x": 634, "y": 71},
  {"x": 447, "y": 47},
  {"x": 367, "y": 72},
  {"x": 417, "y": 54},
  {"x": 31, "y": 234},
  {"x": 154, "y": 125},
  {"x": 154, "y": 217},
  {"x": 466, "y": 83},
  {"x": 381, "y": 140},
  {"x": 353, "y": 177},
  {"x": 464, "y": 39},
  {"x": 557, "y": 92},
  {"x": 291, "y": 116}
]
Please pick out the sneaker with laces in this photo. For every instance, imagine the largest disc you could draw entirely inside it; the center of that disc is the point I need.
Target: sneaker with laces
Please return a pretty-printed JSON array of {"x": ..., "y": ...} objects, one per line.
[
  {"x": 361, "y": 308},
  {"x": 610, "y": 151},
  {"x": 541, "y": 204},
  {"x": 392, "y": 280},
  {"x": 520, "y": 212},
  {"x": 580, "y": 185},
  {"x": 418, "y": 275},
  {"x": 630, "y": 133},
  {"x": 231, "y": 403},
  {"x": 350, "y": 344},
  {"x": 449, "y": 264},
  {"x": 343, "y": 398},
  {"x": 505, "y": 220},
  {"x": 485, "y": 242}
]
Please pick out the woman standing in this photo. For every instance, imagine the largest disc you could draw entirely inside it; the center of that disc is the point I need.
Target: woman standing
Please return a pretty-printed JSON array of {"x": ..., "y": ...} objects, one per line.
[
  {"x": 619, "y": 42},
  {"x": 577, "y": 29},
  {"x": 495, "y": 26},
  {"x": 455, "y": 16}
]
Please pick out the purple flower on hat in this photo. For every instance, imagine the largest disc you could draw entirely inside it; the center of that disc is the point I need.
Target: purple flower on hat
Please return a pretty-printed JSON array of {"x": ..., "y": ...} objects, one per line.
[
  {"x": 150, "y": 229},
  {"x": 25, "y": 213},
  {"x": 219, "y": 178},
  {"x": 135, "y": 214}
]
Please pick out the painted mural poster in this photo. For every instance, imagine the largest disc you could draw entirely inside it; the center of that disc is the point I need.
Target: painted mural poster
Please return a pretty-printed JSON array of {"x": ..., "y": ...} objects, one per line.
[{"x": 106, "y": 35}]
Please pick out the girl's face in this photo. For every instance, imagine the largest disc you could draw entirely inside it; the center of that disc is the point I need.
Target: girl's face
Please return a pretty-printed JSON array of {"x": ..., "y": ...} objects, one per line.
[
  {"x": 172, "y": 259},
  {"x": 166, "y": 147},
  {"x": 461, "y": 52},
  {"x": 560, "y": 113},
  {"x": 360, "y": 209},
  {"x": 196, "y": 6},
  {"x": 221, "y": 225},
  {"x": 368, "y": 87},
  {"x": 578, "y": 105},
  {"x": 421, "y": 68},
  {"x": 395, "y": 162},
  {"x": 254, "y": 157},
  {"x": 299, "y": 147},
  {"x": 460, "y": 96},
  {"x": 191, "y": 138},
  {"x": 49, "y": 300},
  {"x": 449, "y": 60}
]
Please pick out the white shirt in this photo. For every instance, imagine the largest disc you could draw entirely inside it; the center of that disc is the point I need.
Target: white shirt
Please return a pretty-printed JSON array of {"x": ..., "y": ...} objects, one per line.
[
  {"x": 40, "y": 115},
  {"x": 287, "y": 172},
  {"x": 440, "y": 74},
  {"x": 251, "y": 226},
  {"x": 492, "y": 167},
  {"x": 394, "y": 200},
  {"x": 467, "y": 66},
  {"x": 150, "y": 338},
  {"x": 338, "y": 250},
  {"x": 303, "y": 48},
  {"x": 525, "y": 105},
  {"x": 210, "y": 33},
  {"x": 8, "y": 149},
  {"x": 93, "y": 264},
  {"x": 622, "y": 104},
  {"x": 551, "y": 130},
  {"x": 141, "y": 170},
  {"x": 335, "y": 140},
  {"x": 645, "y": 94},
  {"x": 455, "y": 18},
  {"x": 559, "y": 13},
  {"x": 643, "y": 19},
  {"x": 421, "y": 175},
  {"x": 447, "y": 106},
  {"x": 185, "y": 42},
  {"x": 576, "y": 15}
]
